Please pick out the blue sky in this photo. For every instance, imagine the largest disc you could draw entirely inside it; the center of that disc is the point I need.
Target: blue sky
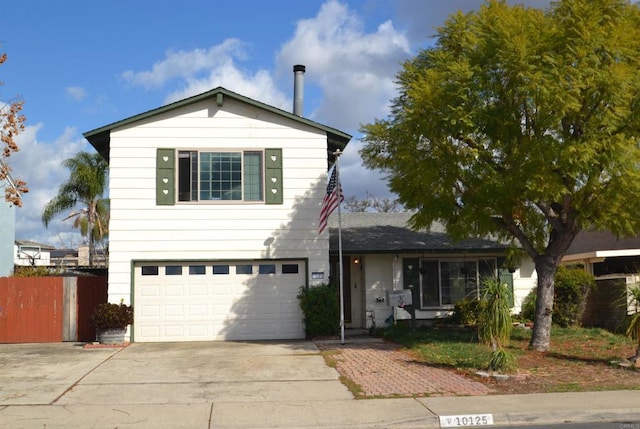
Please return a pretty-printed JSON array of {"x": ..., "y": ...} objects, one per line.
[{"x": 79, "y": 65}]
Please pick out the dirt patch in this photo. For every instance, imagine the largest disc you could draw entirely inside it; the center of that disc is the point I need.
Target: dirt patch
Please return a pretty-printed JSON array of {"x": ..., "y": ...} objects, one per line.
[{"x": 564, "y": 372}]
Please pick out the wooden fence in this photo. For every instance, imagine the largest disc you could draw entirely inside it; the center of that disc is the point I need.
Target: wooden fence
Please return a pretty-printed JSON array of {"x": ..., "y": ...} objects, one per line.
[{"x": 49, "y": 309}]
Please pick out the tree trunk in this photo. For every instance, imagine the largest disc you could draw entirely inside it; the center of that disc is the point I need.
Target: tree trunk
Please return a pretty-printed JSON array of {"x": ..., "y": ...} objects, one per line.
[
  {"x": 541, "y": 336},
  {"x": 92, "y": 244}
]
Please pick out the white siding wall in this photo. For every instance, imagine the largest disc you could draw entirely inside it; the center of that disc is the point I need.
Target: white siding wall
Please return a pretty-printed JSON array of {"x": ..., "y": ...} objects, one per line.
[
  {"x": 139, "y": 229},
  {"x": 379, "y": 279},
  {"x": 524, "y": 280}
]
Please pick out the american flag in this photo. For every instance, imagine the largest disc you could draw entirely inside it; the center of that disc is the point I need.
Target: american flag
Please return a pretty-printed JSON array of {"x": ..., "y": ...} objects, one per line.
[{"x": 332, "y": 198}]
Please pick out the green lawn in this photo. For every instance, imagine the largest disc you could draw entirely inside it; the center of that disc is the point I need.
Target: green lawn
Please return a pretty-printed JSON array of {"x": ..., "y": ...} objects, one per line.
[{"x": 460, "y": 348}]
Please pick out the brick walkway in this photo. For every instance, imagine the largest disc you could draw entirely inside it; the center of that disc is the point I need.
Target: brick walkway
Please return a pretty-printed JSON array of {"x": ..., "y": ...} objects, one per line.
[{"x": 383, "y": 369}]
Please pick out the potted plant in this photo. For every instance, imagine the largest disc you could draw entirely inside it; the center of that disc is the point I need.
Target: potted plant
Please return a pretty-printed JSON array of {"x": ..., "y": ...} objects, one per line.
[{"x": 111, "y": 321}]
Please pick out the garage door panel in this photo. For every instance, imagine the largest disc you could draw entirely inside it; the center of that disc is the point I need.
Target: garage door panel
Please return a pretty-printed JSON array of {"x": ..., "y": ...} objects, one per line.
[
  {"x": 150, "y": 290},
  {"x": 172, "y": 310},
  {"x": 198, "y": 290},
  {"x": 201, "y": 310},
  {"x": 198, "y": 331},
  {"x": 174, "y": 332},
  {"x": 219, "y": 306}
]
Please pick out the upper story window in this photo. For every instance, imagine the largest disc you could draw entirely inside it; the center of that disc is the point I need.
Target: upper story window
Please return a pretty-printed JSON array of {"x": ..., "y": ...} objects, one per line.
[{"x": 220, "y": 176}]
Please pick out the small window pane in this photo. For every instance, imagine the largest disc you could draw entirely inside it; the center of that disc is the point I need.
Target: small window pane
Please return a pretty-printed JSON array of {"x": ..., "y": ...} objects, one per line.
[
  {"x": 267, "y": 269},
  {"x": 196, "y": 270},
  {"x": 430, "y": 284},
  {"x": 220, "y": 269},
  {"x": 253, "y": 176},
  {"x": 173, "y": 270},
  {"x": 150, "y": 270},
  {"x": 289, "y": 268},
  {"x": 244, "y": 269}
]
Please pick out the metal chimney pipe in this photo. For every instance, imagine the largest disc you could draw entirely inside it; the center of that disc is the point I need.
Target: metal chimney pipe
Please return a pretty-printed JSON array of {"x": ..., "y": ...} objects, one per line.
[{"x": 298, "y": 88}]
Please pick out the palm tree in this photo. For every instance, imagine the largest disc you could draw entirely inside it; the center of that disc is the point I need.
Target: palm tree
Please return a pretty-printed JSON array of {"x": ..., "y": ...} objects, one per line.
[{"x": 86, "y": 186}]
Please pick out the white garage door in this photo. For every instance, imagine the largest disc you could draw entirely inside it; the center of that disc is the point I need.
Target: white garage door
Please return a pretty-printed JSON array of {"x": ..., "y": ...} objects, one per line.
[{"x": 198, "y": 301}]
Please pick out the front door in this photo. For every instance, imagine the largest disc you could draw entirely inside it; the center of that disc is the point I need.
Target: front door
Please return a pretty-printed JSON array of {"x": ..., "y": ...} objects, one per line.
[
  {"x": 346, "y": 267},
  {"x": 346, "y": 281}
]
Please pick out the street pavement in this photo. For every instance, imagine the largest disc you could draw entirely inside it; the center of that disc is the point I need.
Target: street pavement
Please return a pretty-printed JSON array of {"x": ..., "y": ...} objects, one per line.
[{"x": 227, "y": 385}]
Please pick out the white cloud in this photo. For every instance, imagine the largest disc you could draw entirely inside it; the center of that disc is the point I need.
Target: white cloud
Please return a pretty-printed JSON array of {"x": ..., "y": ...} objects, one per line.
[
  {"x": 354, "y": 69},
  {"x": 259, "y": 86},
  {"x": 355, "y": 72},
  {"x": 75, "y": 93},
  {"x": 186, "y": 64},
  {"x": 201, "y": 70},
  {"x": 40, "y": 165}
]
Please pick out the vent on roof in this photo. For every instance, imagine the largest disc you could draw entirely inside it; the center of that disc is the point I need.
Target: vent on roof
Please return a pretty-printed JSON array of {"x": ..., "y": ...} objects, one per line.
[{"x": 298, "y": 88}]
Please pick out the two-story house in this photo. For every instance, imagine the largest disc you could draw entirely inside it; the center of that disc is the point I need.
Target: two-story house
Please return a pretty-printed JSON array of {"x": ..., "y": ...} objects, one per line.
[{"x": 215, "y": 201}]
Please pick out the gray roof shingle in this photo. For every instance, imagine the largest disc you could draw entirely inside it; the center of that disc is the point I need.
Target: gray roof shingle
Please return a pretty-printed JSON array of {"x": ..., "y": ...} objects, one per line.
[{"x": 390, "y": 233}]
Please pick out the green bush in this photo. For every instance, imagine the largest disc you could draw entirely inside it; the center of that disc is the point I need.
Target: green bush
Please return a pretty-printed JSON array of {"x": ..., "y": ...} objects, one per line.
[
  {"x": 34, "y": 271},
  {"x": 111, "y": 316},
  {"x": 467, "y": 311},
  {"x": 572, "y": 286},
  {"x": 321, "y": 309},
  {"x": 528, "y": 309},
  {"x": 502, "y": 361}
]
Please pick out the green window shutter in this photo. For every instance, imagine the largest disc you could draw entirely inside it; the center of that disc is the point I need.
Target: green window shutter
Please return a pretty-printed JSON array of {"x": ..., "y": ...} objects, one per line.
[
  {"x": 165, "y": 177},
  {"x": 273, "y": 176},
  {"x": 507, "y": 277}
]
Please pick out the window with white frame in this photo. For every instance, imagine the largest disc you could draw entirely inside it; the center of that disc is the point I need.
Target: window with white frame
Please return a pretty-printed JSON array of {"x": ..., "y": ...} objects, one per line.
[
  {"x": 443, "y": 282},
  {"x": 220, "y": 176}
]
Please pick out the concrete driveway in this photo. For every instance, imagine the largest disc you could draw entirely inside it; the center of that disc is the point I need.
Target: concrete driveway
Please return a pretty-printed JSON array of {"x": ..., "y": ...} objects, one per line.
[{"x": 160, "y": 373}]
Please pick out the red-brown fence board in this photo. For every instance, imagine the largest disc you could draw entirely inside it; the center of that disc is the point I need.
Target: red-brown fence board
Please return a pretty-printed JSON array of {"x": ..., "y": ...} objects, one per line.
[
  {"x": 91, "y": 292},
  {"x": 31, "y": 309}
]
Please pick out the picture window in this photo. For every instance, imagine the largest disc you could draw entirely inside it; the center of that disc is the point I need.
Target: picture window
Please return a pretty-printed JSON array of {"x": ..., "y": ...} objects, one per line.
[{"x": 220, "y": 176}]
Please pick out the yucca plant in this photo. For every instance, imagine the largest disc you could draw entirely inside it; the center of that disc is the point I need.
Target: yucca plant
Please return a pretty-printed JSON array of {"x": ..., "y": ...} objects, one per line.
[
  {"x": 633, "y": 330},
  {"x": 495, "y": 324}
]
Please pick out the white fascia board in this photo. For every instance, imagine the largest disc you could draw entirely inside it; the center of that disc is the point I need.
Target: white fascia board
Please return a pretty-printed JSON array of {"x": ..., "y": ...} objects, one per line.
[{"x": 600, "y": 255}]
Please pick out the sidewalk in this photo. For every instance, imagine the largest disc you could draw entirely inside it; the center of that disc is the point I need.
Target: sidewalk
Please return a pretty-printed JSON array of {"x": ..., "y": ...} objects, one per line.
[
  {"x": 254, "y": 385},
  {"x": 405, "y": 413},
  {"x": 619, "y": 407}
]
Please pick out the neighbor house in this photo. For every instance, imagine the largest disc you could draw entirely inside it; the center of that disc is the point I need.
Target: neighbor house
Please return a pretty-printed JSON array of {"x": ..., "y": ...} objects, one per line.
[
  {"x": 382, "y": 254},
  {"x": 604, "y": 254},
  {"x": 215, "y": 201},
  {"x": 31, "y": 253},
  {"x": 615, "y": 264}
]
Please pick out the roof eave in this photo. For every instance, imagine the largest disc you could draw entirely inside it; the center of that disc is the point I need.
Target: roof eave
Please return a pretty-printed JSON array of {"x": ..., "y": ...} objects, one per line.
[{"x": 100, "y": 137}]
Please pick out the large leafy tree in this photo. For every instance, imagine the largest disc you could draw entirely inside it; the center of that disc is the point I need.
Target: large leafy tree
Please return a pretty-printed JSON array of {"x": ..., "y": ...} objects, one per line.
[
  {"x": 85, "y": 188},
  {"x": 11, "y": 124},
  {"x": 522, "y": 124}
]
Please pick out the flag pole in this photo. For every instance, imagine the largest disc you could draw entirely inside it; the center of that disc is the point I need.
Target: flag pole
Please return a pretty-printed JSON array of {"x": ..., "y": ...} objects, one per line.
[{"x": 337, "y": 154}]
